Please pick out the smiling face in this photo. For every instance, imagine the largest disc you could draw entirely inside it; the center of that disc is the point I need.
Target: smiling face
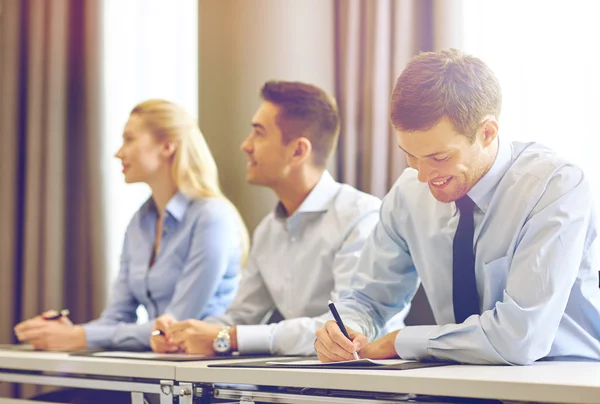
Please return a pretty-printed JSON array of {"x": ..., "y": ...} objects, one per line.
[
  {"x": 269, "y": 159},
  {"x": 448, "y": 161},
  {"x": 141, "y": 155}
]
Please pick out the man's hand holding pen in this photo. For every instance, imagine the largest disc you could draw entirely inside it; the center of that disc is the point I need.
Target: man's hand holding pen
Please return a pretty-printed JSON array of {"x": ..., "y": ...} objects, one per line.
[{"x": 333, "y": 346}]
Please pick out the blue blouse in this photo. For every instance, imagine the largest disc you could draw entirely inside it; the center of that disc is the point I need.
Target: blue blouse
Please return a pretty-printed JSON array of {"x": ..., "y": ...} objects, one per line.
[{"x": 194, "y": 275}]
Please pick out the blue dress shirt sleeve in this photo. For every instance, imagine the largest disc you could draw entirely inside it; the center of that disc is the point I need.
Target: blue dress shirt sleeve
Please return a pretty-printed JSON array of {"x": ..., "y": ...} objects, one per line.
[
  {"x": 213, "y": 237},
  {"x": 520, "y": 329},
  {"x": 385, "y": 279},
  {"x": 121, "y": 309}
]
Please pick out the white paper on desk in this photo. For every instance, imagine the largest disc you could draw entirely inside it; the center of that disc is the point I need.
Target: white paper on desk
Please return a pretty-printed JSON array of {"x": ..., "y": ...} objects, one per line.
[
  {"x": 359, "y": 362},
  {"x": 141, "y": 355}
]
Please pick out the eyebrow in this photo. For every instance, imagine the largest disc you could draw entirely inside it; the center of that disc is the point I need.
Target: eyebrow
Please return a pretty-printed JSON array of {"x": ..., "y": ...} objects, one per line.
[
  {"x": 258, "y": 126},
  {"x": 429, "y": 155}
]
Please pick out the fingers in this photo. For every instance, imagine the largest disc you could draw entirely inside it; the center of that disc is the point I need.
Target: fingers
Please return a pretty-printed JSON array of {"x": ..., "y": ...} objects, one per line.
[
  {"x": 31, "y": 334},
  {"x": 179, "y": 337},
  {"x": 160, "y": 344},
  {"x": 48, "y": 314},
  {"x": 28, "y": 328},
  {"x": 163, "y": 322},
  {"x": 336, "y": 335},
  {"x": 64, "y": 321},
  {"x": 360, "y": 341},
  {"x": 179, "y": 326},
  {"x": 327, "y": 356},
  {"x": 31, "y": 323},
  {"x": 328, "y": 349}
]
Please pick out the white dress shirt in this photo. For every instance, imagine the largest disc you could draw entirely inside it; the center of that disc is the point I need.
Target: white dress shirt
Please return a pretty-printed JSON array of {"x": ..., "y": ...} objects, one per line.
[{"x": 297, "y": 264}]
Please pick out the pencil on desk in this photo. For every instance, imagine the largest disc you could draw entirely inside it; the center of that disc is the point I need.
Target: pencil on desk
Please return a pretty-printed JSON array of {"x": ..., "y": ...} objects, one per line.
[{"x": 340, "y": 324}]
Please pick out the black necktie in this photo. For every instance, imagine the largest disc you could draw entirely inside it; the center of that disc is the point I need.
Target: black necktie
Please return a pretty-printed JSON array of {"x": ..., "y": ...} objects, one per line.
[{"x": 464, "y": 287}]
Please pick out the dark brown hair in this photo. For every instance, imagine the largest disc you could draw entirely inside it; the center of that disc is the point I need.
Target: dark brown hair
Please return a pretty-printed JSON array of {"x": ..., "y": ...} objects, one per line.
[
  {"x": 448, "y": 84},
  {"x": 305, "y": 111}
]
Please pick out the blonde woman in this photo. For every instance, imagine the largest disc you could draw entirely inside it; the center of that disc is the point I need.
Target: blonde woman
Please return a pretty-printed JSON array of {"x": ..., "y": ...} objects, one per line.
[{"x": 183, "y": 248}]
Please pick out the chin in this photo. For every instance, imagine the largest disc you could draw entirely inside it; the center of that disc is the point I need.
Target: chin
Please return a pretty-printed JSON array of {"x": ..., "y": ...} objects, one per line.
[
  {"x": 446, "y": 197},
  {"x": 131, "y": 180}
]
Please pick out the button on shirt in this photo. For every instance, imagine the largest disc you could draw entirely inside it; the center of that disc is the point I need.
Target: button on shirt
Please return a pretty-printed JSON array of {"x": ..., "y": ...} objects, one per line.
[
  {"x": 536, "y": 272},
  {"x": 297, "y": 264},
  {"x": 195, "y": 273}
]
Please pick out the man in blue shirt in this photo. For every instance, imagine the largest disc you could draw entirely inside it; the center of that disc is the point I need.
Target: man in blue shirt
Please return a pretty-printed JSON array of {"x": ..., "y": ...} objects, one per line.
[
  {"x": 304, "y": 253},
  {"x": 500, "y": 234}
]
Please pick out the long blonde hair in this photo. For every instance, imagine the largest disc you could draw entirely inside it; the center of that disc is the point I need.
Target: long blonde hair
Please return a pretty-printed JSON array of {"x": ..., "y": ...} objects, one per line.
[{"x": 194, "y": 169}]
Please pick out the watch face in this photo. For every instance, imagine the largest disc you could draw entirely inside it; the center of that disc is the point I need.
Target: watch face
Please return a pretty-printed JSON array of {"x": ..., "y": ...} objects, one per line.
[{"x": 221, "y": 345}]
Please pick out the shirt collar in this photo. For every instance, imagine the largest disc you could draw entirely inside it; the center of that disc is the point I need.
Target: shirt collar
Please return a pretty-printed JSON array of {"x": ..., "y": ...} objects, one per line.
[
  {"x": 176, "y": 207},
  {"x": 483, "y": 190},
  {"x": 318, "y": 199}
]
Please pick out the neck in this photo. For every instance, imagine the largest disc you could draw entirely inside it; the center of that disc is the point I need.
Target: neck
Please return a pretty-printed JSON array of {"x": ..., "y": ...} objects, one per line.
[
  {"x": 163, "y": 188},
  {"x": 494, "y": 149},
  {"x": 297, "y": 187}
]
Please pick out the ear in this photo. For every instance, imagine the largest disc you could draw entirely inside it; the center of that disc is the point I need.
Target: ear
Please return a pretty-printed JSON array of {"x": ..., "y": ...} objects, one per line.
[
  {"x": 168, "y": 149},
  {"x": 302, "y": 150},
  {"x": 489, "y": 131}
]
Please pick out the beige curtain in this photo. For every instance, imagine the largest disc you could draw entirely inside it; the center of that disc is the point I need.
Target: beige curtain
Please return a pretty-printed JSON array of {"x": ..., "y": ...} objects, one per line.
[
  {"x": 374, "y": 40},
  {"x": 51, "y": 238}
]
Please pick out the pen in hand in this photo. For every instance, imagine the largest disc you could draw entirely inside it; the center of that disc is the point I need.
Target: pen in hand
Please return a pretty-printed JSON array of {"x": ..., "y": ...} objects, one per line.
[
  {"x": 340, "y": 324},
  {"x": 62, "y": 313},
  {"x": 157, "y": 333}
]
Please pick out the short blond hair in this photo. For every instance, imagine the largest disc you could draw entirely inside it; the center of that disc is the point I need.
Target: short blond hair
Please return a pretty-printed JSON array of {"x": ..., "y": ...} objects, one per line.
[{"x": 194, "y": 169}]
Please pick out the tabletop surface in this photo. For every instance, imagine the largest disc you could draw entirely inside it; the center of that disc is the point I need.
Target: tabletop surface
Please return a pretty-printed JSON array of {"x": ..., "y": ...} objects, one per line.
[
  {"x": 559, "y": 382},
  {"x": 61, "y": 362},
  {"x": 566, "y": 382}
]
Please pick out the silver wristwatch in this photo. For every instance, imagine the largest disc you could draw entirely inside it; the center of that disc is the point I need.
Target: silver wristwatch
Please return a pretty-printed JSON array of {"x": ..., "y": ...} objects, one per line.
[{"x": 222, "y": 343}]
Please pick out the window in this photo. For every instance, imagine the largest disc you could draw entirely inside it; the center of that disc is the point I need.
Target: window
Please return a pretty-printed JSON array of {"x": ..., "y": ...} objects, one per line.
[
  {"x": 150, "y": 51},
  {"x": 545, "y": 56}
]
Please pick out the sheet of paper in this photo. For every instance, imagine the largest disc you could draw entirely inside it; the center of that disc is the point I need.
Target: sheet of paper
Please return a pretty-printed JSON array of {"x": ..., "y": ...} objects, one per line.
[
  {"x": 141, "y": 355},
  {"x": 359, "y": 362}
]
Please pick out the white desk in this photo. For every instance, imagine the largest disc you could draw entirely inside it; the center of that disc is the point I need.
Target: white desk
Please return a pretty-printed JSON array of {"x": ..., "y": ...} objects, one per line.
[
  {"x": 545, "y": 382},
  {"x": 60, "y": 369}
]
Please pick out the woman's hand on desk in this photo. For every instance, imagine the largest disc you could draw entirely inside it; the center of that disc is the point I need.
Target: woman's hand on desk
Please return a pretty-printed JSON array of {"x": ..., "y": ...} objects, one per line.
[
  {"x": 52, "y": 335},
  {"x": 197, "y": 337},
  {"x": 159, "y": 343}
]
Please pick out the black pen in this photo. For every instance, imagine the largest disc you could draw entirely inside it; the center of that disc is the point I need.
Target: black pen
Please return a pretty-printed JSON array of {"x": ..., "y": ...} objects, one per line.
[
  {"x": 338, "y": 320},
  {"x": 62, "y": 313}
]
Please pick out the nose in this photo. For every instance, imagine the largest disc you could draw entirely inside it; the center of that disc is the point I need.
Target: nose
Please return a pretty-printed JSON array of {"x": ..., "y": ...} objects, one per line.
[
  {"x": 425, "y": 173},
  {"x": 119, "y": 153},
  {"x": 246, "y": 146}
]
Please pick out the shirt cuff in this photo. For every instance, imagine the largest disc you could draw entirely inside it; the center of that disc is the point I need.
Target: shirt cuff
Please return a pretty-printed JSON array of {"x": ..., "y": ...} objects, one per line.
[
  {"x": 254, "y": 339},
  {"x": 411, "y": 342},
  {"x": 99, "y": 336}
]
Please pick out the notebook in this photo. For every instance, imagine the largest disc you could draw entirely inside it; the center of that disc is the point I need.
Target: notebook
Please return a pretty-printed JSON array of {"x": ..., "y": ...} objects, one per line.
[{"x": 314, "y": 363}]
